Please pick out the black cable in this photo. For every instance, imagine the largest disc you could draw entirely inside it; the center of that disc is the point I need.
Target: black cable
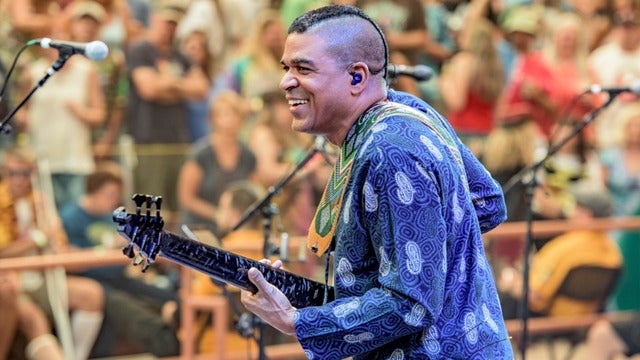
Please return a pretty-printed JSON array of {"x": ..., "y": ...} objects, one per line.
[{"x": 13, "y": 65}]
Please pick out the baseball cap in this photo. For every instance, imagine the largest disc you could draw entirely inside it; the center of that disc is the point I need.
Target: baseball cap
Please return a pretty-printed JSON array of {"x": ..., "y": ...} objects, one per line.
[
  {"x": 171, "y": 10},
  {"x": 88, "y": 8},
  {"x": 524, "y": 19}
]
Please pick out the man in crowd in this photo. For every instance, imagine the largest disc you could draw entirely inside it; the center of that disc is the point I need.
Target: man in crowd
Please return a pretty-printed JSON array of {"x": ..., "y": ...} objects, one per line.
[{"x": 162, "y": 80}]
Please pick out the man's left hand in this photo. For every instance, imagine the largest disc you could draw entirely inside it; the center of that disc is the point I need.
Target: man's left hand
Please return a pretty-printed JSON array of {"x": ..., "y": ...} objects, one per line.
[{"x": 269, "y": 303}]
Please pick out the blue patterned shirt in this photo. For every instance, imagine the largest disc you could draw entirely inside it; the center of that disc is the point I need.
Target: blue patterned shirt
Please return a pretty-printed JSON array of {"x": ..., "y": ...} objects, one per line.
[{"x": 410, "y": 274}]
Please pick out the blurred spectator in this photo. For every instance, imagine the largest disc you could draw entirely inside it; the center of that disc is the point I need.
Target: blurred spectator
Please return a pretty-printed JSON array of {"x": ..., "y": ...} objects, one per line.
[
  {"x": 495, "y": 12},
  {"x": 566, "y": 52},
  {"x": 162, "y": 81},
  {"x": 621, "y": 169},
  {"x": 531, "y": 79},
  {"x": 574, "y": 165},
  {"x": 119, "y": 27},
  {"x": 278, "y": 149},
  {"x": 595, "y": 19},
  {"x": 440, "y": 46},
  {"x": 60, "y": 116},
  {"x": 291, "y": 9},
  {"x": 225, "y": 22},
  {"x": 6, "y": 139},
  {"x": 403, "y": 23},
  {"x": 34, "y": 339},
  {"x": 10, "y": 43},
  {"x": 471, "y": 83},
  {"x": 140, "y": 11},
  {"x": 257, "y": 70},
  {"x": 247, "y": 241},
  {"x": 32, "y": 19},
  {"x": 271, "y": 139},
  {"x": 441, "y": 43},
  {"x": 195, "y": 47},
  {"x": 614, "y": 340},
  {"x": 621, "y": 163},
  {"x": 510, "y": 147},
  {"x": 27, "y": 228},
  {"x": 404, "y": 27},
  {"x": 88, "y": 18},
  {"x": 88, "y": 223},
  {"x": 9, "y": 289},
  {"x": 617, "y": 63},
  {"x": 214, "y": 162},
  {"x": 552, "y": 263}
]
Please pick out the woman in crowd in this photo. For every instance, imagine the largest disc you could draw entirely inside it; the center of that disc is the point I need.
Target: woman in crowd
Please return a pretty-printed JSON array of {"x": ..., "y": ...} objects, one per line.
[
  {"x": 566, "y": 52},
  {"x": 196, "y": 47},
  {"x": 215, "y": 161},
  {"x": 258, "y": 70},
  {"x": 472, "y": 82}
]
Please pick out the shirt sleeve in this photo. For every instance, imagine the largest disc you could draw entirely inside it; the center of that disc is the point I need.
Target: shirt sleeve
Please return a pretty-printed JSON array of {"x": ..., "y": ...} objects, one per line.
[{"x": 486, "y": 193}]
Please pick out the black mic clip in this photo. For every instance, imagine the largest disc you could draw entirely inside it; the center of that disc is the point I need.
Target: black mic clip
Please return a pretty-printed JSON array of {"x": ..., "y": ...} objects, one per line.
[{"x": 417, "y": 72}]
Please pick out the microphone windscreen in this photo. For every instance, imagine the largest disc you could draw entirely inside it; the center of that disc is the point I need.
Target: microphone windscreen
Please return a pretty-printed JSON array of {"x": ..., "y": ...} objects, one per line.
[{"x": 96, "y": 50}]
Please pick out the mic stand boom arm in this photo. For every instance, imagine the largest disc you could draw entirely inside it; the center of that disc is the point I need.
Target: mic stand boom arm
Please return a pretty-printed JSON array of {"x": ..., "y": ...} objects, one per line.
[
  {"x": 277, "y": 188},
  {"x": 530, "y": 188},
  {"x": 268, "y": 210}
]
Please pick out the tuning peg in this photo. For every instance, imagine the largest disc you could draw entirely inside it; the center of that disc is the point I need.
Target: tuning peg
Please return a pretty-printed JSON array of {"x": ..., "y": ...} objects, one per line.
[
  {"x": 139, "y": 199},
  {"x": 149, "y": 201},
  {"x": 158, "y": 201},
  {"x": 128, "y": 251}
]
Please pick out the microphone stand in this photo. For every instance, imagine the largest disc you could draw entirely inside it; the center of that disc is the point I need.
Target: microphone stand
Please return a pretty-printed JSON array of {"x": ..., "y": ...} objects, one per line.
[
  {"x": 530, "y": 188},
  {"x": 268, "y": 210},
  {"x": 64, "y": 55}
]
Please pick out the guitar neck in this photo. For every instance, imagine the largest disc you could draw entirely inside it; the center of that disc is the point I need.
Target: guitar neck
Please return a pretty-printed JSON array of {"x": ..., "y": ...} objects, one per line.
[{"x": 232, "y": 269}]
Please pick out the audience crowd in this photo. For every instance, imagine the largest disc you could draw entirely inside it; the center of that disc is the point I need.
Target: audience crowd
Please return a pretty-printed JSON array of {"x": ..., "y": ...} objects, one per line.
[{"x": 187, "y": 106}]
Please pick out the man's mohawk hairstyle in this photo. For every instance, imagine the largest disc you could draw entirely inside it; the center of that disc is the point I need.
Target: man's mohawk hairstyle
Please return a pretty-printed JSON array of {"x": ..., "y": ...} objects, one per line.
[{"x": 317, "y": 16}]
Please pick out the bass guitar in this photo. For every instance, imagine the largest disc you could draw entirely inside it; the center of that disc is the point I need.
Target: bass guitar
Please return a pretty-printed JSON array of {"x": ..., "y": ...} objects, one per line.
[{"x": 145, "y": 235}]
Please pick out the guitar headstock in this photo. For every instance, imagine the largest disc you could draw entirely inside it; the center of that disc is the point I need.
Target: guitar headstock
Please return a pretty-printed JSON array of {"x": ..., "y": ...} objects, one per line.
[{"x": 142, "y": 230}]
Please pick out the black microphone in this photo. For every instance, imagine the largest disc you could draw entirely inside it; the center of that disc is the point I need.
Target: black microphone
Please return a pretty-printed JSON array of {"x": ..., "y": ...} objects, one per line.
[
  {"x": 633, "y": 88},
  {"x": 95, "y": 50},
  {"x": 418, "y": 72}
]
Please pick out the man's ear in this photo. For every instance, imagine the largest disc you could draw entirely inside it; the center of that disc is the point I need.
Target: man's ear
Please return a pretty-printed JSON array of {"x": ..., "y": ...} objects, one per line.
[{"x": 359, "y": 75}]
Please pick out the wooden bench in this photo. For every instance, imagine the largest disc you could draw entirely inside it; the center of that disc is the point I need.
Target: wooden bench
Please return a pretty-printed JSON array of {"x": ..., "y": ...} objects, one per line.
[
  {"x": 561, "y": 324},
  {"x": 555, "y": 227},
  {"x": 548, "y": 329},
  {"x": 556, "y": 326}
]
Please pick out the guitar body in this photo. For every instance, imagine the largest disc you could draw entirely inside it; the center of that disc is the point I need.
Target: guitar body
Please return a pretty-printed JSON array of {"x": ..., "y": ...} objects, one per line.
[{"x": 145, "y": 234}]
